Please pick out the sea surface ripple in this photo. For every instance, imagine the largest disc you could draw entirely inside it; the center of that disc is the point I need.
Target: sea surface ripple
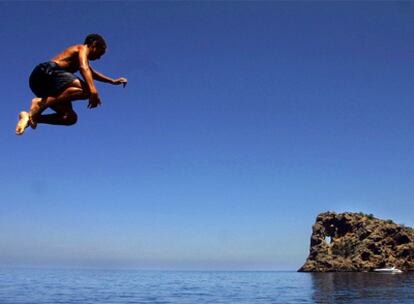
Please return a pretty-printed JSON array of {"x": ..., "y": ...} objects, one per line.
[{"x": 41, "y": 286}]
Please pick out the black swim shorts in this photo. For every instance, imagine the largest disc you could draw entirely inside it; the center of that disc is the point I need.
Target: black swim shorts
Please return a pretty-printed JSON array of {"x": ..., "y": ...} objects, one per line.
[{"x": 49, "y": 79}]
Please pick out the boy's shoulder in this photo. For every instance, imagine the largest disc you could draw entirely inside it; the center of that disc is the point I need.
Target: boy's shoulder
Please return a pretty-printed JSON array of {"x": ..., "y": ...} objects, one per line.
[{"x": 75, "y": 48}]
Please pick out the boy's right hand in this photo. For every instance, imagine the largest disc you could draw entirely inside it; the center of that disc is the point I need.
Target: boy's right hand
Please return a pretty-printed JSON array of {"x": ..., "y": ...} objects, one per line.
[
  {"x": 121, "y": 80},
  {"x": 94, "y": 101}
]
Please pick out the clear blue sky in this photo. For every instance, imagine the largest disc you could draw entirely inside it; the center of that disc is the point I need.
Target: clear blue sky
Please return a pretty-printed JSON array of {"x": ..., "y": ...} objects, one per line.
[{"x": 240, "y": 123}]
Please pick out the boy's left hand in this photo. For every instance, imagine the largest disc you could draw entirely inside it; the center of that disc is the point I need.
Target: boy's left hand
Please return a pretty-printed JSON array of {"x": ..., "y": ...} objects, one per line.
[{"x": 121, "y": 80}]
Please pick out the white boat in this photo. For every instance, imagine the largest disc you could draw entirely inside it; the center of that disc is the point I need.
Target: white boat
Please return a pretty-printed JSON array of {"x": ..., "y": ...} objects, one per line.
[{"x": 388, "y": 270}]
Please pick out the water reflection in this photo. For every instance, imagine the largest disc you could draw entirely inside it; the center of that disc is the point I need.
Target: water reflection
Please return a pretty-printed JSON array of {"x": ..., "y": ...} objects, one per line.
[{"x": 362, "y": 288}]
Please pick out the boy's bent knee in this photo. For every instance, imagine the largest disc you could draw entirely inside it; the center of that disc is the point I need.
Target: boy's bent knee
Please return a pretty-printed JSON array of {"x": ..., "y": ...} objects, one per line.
[
  {"x": 73, "y": 93},
  {"x": 70, "y": 118},
  {"x": 80, "y": 93}
]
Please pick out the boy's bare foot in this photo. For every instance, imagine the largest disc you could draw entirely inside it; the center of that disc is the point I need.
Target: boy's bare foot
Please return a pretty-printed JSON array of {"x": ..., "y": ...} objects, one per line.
[
  {"x": 23, "y": 123},
  {"x": 32, "y": 122},
  {"x": 37, "y": 103}
]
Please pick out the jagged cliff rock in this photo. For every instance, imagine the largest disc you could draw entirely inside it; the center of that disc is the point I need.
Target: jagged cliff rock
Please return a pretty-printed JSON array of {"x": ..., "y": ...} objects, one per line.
[{"x": 358, "y": 242}]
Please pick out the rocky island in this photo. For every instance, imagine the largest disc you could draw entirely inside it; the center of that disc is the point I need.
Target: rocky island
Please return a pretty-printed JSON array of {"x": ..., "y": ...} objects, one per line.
[{"x": 358, "y": 242}]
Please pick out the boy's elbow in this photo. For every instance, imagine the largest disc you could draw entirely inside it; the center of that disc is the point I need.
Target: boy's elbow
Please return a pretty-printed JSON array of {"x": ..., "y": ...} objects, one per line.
[{"x": 84, "y": 69}]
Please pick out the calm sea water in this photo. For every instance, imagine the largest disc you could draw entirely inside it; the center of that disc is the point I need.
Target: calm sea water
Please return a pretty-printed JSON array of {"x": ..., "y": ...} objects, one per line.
[{"x": 39, "y": 286}]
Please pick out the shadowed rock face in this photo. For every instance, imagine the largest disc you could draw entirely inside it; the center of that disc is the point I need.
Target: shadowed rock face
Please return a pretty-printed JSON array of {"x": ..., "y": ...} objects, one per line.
[{"x": 358, "y": 242}]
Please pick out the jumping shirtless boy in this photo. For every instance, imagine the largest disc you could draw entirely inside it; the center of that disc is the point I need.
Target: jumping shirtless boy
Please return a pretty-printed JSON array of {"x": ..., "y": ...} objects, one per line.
[{"x": 55, "y": 85}]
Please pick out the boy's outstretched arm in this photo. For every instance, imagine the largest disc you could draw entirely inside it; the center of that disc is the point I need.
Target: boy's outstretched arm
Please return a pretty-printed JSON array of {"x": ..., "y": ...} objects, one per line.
[{"x": 102, "y": 78}]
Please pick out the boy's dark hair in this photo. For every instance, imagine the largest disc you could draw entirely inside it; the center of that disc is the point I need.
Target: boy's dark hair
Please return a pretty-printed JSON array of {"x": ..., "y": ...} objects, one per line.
[{"x": 98, "y": 39}]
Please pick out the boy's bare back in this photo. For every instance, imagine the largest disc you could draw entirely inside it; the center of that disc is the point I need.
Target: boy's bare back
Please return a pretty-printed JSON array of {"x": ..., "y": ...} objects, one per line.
[
  {"x": 74, "y": 57},
  {"x": 69, "y": 58}
]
